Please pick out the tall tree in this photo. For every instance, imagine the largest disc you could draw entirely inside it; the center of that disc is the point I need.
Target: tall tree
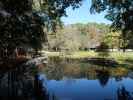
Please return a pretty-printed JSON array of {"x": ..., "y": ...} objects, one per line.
[
  {"x": 22, "y": 25},
  {"x": 120, "y": 12}
]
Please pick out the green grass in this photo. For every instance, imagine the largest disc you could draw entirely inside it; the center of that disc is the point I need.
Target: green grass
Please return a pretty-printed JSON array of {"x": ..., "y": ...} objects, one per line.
[
  {"x": 124, "y": 59},
  {"x": 118, "y": 56},
  {"x": 84, "y": 54},
  {"x": 121, "y": 56}
]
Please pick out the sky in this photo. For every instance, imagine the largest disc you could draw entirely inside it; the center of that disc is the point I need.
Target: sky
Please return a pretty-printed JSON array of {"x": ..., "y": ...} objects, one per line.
[{"x": 82, "y": 15}]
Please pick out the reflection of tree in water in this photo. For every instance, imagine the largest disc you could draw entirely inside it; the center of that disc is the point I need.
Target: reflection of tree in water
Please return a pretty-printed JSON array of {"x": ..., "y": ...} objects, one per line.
[
  {"x": 123, "y": 94},
  {"x": 23, "y": 83},
  {"x": 54, "y": 71},
  {"x": 57, "y": 68},
  {"x": 103, "y": 76},
  {"x": 118, "y": 78}
]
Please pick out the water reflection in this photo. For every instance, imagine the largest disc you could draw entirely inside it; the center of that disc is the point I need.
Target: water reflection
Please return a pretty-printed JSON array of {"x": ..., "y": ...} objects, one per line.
[
  {"x": 83, "y": 81},
  {"x": 123, "y": 94},
  {"x": 84, "y": 70},
  {"x": 103, "y": 77}
]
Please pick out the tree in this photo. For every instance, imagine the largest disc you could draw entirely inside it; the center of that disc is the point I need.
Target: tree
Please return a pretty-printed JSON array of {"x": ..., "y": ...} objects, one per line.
[
  {"x": 22, "y": 25},
  {"x": 120, "y": 12},
  {"x": 78, "y": 36},
  {"x": 102, "y": 50},
  {"x": 55, "y": 9},
  {"x": 66, "y": 39},
  {"x": 130, "y": 41},
  {"x": 113, "y": 40}
]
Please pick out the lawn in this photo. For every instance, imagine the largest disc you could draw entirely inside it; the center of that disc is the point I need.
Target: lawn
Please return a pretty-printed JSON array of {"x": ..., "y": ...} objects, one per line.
[
  {"x": 86, "y": 54},
  {"x": 123, "y": 58}
]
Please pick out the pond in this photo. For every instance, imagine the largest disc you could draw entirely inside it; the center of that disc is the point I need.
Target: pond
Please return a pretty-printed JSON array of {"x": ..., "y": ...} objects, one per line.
[{"x": 75, "y": 80}]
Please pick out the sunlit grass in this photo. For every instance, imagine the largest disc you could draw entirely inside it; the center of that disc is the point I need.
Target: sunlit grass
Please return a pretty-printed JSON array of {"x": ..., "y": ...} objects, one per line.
[
  {"x": 124, "y": 58},
  {"x": 120, "y": 56}
]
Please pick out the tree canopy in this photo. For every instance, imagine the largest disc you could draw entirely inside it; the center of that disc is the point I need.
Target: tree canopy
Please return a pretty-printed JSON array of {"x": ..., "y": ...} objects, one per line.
[
  {"x": 22, "y": 24},
  {"x": 79, "y": 36},
  {"x": 120, "y": 12}
]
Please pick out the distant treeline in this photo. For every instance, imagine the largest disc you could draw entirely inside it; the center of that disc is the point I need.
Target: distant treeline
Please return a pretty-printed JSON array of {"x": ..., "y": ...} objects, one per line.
[{"x": 87, "y": 36}]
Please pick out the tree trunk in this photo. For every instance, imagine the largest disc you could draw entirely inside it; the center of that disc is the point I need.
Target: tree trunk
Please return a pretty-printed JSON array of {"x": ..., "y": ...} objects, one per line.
[{"x": 124, "y": 40}]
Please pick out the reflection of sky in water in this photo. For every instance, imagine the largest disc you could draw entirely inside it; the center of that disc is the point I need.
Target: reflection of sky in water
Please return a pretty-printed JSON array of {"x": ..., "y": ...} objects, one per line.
[
  {"x": 83, "y": 89},
  {"x": 128, "y": 83},
  {"x": 83, "y": 81}
]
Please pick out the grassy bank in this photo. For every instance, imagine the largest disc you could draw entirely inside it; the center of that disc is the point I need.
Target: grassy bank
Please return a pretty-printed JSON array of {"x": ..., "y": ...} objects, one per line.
[
  {"x": 120, "y": 57},
  {"x": 86, "y": 54}
]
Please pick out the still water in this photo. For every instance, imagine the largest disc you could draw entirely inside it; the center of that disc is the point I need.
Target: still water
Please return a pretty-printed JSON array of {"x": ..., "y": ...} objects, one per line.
[{"x": 83, "y": 81}]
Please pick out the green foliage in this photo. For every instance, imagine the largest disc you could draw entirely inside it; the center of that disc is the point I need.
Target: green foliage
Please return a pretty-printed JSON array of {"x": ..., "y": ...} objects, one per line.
[
  {"x": 16, "y": 6},
  {"x": 102, "y": 50},
  {"x": 55, "y": 9},
  {"x": 120, "y": 12},
  {"x": 22, "y": 24},
  {"x": 19, "y": 27},
  {"x": 112, "y": 39}
]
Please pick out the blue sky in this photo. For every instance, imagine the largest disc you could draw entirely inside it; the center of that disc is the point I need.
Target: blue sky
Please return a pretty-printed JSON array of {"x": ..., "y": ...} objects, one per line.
[{"x": 82, "y": 15}]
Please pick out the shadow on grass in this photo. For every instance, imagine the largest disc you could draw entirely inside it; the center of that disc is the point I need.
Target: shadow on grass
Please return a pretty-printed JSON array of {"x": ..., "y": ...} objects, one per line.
[
  {"x": 130, "y": 61},
  {"x": 102, "y": 62},
  {"x": 103, "y": 53},
  {"x": 127, "y": 63}
]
